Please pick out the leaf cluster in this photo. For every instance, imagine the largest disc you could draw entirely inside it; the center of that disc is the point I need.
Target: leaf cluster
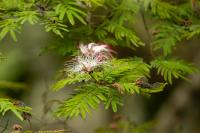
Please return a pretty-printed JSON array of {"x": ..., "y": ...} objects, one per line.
[
  {"x": 166, "y": 10},
  {"x": 169, "y": 68},
  {"x": 116, "y": 26},
  {"x": 7, "y": 105},
  {"x": 105, "y": 85},
  {"x": 167, "y": 36},
  {"x": 110, "y": 22},
  {"x": 89, "y": 96},
  {"x": 51, "y": 14}
]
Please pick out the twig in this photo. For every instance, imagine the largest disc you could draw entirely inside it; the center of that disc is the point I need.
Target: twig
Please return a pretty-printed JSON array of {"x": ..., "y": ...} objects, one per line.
[
  {"x": 148, "y": 33},
  {"x": 30, "y": 126}
]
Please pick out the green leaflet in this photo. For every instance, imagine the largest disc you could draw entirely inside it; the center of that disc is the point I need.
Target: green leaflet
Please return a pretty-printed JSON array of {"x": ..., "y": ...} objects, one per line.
[
  {"x": 71, "y": 10},
  {"x": 6, "y": 105},
  {"x": 87, "y": 97},
  {"x": 162, "y": 40},
  {"x": 169, "y": 68},
  {"x": 71, "y": 79},
  {"x": 10, "y": 26},
  {"x": 105, "y": 85}
]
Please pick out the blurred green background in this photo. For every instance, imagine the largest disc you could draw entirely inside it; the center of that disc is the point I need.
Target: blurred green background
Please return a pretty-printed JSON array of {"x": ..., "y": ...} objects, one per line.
[{"x": 29, "y": 70}]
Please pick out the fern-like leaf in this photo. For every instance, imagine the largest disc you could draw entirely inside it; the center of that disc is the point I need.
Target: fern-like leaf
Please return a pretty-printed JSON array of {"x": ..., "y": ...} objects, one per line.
[
  {"x": 91, "y": 3},
  {"x": 169, "y": 68},
  {"x": 123, "y": 70},
  {"x": 72, "y": 10},
  {"x": 165, "y": 10},
  {"x": 28, "y": 16},
  {"x": 55, "y": 26},
  {"x": 194, "y": 30},
  {"x": 7, "y": 105},
  {"x": 120, "y": 32},
  {"x": 163, "y": 41},
  {"x": 133, "y": 88},
  {"x": 87, "y": 97},
  {"x": 9, "y": 26},
  {"x": 71, "y": 79}
]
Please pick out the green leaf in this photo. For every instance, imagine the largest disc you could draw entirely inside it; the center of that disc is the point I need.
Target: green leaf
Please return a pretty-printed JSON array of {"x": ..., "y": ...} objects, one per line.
[
  {"x": 86, "y": 97},
  {"x": 91, "y": 3},
  {"x": 193, "y": 30},
  {"x": 71, "y": 79},
  {"x": 71, "y": 10},
  {"x": 27, "y": 16},
  {"x": 7, "y": 105},
  {"x": 55, "y": 26},
  {"x": 121, "y": 32},
  {"x": 9, "y": 26},
  {"x": 166, "y": 10},
  {"x": 169, "y": 68},
  {"x": 163, "y": 41}
]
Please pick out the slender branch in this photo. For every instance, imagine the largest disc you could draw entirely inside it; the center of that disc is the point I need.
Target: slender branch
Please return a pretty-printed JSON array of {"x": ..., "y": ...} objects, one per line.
[
  {"x": 30, "y": 125},
  {"x": 148, "y": 34}
]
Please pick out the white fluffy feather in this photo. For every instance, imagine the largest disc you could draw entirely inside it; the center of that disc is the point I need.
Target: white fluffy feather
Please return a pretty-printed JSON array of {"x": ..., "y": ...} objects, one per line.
[{"x": 92, "y": 55}]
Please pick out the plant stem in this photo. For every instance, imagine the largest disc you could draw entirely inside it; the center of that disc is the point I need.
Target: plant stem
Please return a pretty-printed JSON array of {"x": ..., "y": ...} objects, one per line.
[{"x": 148, "y": 34}]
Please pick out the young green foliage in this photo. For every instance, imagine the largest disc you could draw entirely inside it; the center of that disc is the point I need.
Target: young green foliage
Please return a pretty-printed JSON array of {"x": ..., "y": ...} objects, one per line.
[
  {"x": 71, "y": 10},
  {"x": 166, "y": 10},
  {"x": 193, "y": 30},
  {"x": 89, "y": 96},
  {"x": 110, "y": 22},
  {"x": 106, "y": 85},
  {"x": 55, "y": 26},
  {"x": 16, "y": 13},
  {"x": 10, "y": 26},
  {"x": 167, "y": 36},
  {"x": 123, "y": 13},
  {"x": 123, "y": 70},
  {"x": 91, "y": 3},
  {"x": 122, "y": 33},
  {"x": 169, "y": 68},
  {"x": 7, "y": 105},
  {"x": 71, "y": 79},
  {"x": 132, "y": 88},
  {"x": 28, "y": 16}
]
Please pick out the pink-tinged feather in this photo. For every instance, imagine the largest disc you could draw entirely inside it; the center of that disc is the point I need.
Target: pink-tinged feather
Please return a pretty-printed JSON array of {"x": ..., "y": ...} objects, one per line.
[
  {"x": 92, "y": 55},
  {"x": 95, "y": 48}
]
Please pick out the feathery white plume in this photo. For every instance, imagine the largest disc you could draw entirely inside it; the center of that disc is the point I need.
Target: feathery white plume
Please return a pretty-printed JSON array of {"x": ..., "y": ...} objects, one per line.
[
  {"x": 92, "y": 55},
  {"x": 83, "y": 64},
  {"x": 94, "y": 48}
]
